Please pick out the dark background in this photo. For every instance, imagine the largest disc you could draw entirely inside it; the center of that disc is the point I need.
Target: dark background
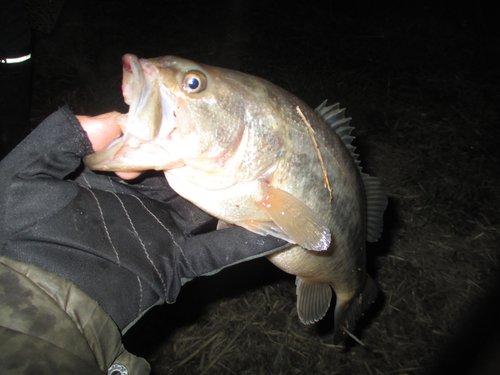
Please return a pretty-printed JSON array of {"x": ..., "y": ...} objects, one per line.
[{"x": 421, "y": 82}]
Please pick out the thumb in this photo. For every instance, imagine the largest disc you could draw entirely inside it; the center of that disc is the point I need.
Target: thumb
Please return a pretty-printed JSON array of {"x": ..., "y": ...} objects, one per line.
[{"x": 101, "y": 130}]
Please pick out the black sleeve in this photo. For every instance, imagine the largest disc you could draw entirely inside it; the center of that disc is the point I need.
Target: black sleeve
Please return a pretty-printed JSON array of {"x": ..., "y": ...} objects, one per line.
[{"x": 37, "y": 168}]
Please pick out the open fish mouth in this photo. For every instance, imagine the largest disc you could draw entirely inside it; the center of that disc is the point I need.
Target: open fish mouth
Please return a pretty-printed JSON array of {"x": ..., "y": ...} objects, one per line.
[
  {"x": 142, "y": 93},
  {"x": 135, "y": 150}
]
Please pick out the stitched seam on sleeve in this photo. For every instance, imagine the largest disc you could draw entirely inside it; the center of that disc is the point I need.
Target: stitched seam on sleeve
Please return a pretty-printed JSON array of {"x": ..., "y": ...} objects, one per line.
[
  {"x": 171, "y": 235},
  {"x": 104, "y": 224},
  {"x": 142, "y": 244}
]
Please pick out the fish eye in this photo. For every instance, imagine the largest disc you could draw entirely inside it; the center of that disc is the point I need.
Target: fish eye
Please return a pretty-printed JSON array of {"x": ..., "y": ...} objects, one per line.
[{"x": 194, "y": 82}]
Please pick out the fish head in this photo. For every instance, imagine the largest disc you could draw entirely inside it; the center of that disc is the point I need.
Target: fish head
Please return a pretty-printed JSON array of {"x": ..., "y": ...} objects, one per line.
[{"x": 180, "y": 113}]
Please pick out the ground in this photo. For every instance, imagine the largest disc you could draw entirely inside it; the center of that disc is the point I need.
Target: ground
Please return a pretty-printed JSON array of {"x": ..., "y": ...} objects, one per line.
[{"x": 422, "y": 86}]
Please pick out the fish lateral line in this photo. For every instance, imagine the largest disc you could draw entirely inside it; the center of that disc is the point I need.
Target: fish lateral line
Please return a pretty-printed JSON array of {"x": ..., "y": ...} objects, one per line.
[{"x": 326, "y": 183}]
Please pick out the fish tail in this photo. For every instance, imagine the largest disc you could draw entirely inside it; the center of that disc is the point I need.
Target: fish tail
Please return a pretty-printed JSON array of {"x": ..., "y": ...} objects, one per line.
[{"x": 347, "y": 312}]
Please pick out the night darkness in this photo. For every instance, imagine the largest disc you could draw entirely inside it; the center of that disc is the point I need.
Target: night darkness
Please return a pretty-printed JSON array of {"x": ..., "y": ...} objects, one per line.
[{"x": 422, "y": 86}]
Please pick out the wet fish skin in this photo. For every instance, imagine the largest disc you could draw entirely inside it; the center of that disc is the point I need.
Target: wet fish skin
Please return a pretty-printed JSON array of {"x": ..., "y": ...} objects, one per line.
[{"x": 243, "y": 150}]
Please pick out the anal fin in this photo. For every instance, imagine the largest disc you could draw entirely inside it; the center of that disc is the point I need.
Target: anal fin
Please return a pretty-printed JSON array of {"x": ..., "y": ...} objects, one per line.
[{"x": 313, "y": 300}]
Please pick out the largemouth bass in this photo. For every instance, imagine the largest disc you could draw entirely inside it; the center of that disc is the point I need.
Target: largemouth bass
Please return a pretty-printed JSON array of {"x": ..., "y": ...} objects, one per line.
[{"x": 254, "y": 155}]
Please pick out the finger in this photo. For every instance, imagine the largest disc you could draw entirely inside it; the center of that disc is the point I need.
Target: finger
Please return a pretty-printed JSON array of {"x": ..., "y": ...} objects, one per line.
[
  {"x": 128, "y": 175},
  {"x": 101, "y": 130}
]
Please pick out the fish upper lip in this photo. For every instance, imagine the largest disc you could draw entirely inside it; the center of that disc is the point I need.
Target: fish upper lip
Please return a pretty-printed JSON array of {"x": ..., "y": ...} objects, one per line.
[
  {"x": 132, "y": 78},
  {"x": 126, "y": 59},
  {"x": 141, "y": 92}
]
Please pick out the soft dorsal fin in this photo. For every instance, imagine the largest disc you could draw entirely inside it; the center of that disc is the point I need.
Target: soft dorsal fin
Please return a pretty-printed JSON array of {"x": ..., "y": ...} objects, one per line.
[
  {"x": 376, "y": 197},
  {"x": 376, "y": 202}
]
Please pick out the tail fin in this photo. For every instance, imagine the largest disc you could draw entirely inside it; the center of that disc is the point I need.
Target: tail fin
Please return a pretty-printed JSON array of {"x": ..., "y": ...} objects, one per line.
[{"x": 348, "y": 312}]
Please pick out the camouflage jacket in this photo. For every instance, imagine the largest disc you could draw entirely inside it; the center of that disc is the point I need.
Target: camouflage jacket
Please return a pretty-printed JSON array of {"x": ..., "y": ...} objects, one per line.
[{"x": 50, "y": 326}]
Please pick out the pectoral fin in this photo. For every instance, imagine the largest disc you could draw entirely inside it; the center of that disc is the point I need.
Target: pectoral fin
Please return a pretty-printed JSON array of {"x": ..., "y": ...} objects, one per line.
[
  {"x": 265, "y": 228},
  {"x": 221, "y": 224},
  {"x": 296, "y": 221}
]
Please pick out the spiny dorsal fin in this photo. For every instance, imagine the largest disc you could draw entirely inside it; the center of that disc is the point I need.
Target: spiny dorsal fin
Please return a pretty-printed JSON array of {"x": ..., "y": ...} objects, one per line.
[
  {"x": 376, "y": 197},
  {"x": 335, "y": 117}
]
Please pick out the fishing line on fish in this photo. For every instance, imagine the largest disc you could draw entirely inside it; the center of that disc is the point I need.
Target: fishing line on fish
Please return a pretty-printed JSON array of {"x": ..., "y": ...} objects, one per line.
[{"x": 311, "y": 133}]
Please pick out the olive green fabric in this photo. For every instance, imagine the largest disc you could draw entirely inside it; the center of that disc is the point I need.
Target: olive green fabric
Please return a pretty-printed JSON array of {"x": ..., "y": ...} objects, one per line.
[{"x": 49, "y": 326}]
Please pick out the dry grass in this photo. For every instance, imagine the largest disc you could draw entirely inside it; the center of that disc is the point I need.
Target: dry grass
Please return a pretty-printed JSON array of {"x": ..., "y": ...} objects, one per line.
[{"x": 423, "y": 89}]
